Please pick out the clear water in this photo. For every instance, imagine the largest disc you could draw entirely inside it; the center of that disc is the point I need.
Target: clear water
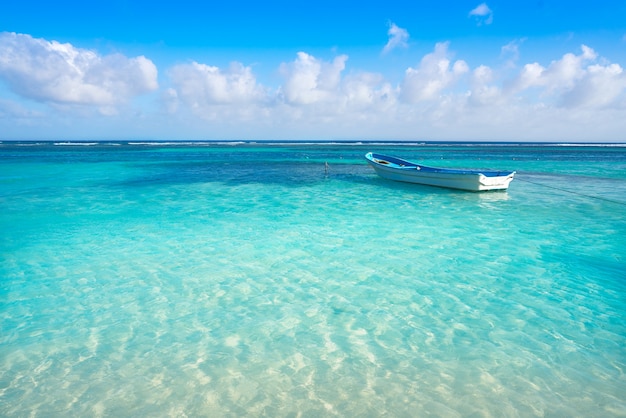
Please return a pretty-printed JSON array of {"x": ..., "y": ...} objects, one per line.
[{"x": 245, "y": 280}]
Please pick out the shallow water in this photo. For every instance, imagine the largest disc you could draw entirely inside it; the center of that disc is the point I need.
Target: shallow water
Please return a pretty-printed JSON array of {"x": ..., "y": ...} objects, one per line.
[{"x": 232, "y": 280}]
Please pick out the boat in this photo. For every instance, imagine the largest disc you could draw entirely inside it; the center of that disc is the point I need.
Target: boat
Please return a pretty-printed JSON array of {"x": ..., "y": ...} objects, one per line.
[{"x": 393, "y": 168}]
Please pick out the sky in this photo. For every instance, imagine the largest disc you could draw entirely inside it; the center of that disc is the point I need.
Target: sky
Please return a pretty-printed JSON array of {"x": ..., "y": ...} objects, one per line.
[{"x": 500, "y": 70}]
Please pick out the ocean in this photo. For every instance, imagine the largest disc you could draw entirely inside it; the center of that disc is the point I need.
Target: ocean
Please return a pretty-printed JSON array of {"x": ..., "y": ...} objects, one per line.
[{"x": 251, "y": 279}]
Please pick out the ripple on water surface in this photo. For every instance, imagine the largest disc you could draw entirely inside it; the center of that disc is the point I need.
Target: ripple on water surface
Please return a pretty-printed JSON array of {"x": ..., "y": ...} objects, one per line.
[{"x": 346, "y": 296}]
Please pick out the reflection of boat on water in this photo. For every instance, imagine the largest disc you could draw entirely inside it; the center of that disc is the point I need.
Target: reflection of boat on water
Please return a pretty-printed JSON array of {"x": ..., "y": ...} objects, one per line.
[
  {"x": 491, "y": 197},
  {"x": 397, "y": 169}
]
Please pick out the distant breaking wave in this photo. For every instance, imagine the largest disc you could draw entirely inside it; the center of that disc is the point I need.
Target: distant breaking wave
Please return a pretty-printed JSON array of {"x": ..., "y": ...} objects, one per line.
[
  {"x": 209, "y": 143},
  {"x": 86, "y": 144}
]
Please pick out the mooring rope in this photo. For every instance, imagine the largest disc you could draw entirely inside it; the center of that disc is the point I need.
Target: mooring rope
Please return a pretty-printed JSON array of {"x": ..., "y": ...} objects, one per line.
[{"x": 573, "y": 192}]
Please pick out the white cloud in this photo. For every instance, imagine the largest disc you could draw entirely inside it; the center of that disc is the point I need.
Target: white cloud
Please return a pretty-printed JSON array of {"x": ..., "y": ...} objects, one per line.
[
  {"x": 433, "y": 76},
  {"x": 398, "y": 37},
  {"x": 309, "y": 80},
  {"x": 483, "y": 91},
  {"x": 573, "y": 81},
  {"x": 49, "y": 71},
  {"x": 214, "y": 94},
  {"x": 315, "y": 95},
  {"x": 483, "y": 14},
  {"x": 440, "y": 98},
  {"x": 368, "y": 91},
  {"x": 200, "y": 85},
  {"x": 313, "y": 90},
  {"x": 601, "y": 86}
]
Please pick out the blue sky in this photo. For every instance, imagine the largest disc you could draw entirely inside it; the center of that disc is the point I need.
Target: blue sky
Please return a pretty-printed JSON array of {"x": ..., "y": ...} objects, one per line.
[{"x": 329, "y": 70}]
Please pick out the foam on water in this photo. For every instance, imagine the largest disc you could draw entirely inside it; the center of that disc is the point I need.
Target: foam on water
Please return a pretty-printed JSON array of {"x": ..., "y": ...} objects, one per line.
[{"x": 153, "y": 283}]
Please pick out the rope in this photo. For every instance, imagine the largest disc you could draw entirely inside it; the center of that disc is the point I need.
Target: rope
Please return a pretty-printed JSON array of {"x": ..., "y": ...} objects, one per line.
[{"x": 573, "y": 192}]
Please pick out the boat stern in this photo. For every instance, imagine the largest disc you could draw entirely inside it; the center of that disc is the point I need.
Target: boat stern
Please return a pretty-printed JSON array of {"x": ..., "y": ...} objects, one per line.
[{"x": 495, "y": 182}]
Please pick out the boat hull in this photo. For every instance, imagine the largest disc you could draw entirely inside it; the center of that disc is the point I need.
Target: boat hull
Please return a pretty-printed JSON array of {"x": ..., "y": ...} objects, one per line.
[{"x": 396, "y": 169}]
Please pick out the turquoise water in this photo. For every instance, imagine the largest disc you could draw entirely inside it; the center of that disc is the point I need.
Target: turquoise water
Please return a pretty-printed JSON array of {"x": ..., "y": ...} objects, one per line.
[{"x": 245, "y": 280}]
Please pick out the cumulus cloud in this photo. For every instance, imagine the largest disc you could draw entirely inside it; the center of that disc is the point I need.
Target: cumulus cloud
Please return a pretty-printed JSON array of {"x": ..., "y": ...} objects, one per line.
[
  {"x": 482, "y": 14},
  {"x": 574, "y": 80},
  {"x": 398, "y": 37},
  {"x": 199, "y": 85},
  {"x": 601, "y": 86},
  {"x": 433, "y": 76},
  {"x": 309, "y": 80},
  {"x": 368, "y": 91},
  {"x": 216, "y": 94},
  {"x": 317, "y": 92},
  {"x": 312, "y": 88},
  {"x": 440, "y": 98},
  {"x": 49, "y": 71},
  {"x": 484, "y": 91}
]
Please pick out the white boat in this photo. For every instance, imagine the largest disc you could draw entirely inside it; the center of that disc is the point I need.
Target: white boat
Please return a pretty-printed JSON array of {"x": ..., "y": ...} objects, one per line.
[{"x": 397, "y": 169}]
